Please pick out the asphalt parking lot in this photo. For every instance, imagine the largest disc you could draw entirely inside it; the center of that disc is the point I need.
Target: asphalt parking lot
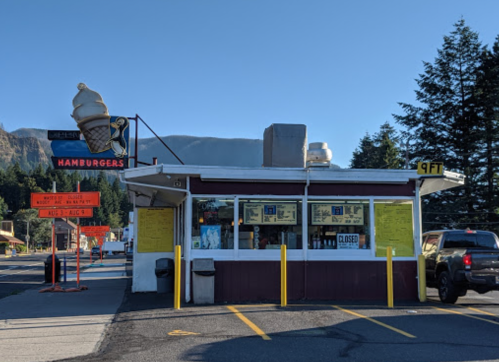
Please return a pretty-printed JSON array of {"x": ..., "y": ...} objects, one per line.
[{"x": 148, "y": 329}]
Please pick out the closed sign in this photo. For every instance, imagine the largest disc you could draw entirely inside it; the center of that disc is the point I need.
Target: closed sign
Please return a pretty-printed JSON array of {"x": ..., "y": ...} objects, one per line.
[{"x": 347, "y": 241}]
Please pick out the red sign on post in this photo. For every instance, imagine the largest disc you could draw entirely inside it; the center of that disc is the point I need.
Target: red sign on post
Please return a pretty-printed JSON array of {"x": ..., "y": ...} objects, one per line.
[
  {"x": 101, "y": 242},
  {"x": 95, "y": 234},
  {"x": 53, "y": 213},
  {"x": 65, "y": 199},
  {"x": 95, "y": 229}
]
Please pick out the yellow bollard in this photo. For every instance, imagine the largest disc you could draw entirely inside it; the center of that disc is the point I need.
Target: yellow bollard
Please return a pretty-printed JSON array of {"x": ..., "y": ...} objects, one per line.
[
  {"x": 422, "y": 277},
  {"x": 389, "y": 276},
  {"x": 284, "y": 277},
  {"x": 178, "y": 269}
]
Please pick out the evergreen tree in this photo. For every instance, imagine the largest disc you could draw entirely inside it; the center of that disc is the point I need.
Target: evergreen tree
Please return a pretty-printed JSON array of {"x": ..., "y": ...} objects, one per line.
[
  {"x": 362, "y": 156},
  {"x": 446, "y": 126},
  {"x": 3, "y": 208},
  {"x": 488, "y": 96},
  {"x": 379, "y": 151}
]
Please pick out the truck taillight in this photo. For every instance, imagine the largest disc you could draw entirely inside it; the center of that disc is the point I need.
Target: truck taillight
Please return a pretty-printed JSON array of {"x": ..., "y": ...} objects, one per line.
[{"x": 467, "y": 260}]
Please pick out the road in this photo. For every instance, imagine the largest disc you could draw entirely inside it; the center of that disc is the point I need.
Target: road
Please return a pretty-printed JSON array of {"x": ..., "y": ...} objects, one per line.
[
  {"x": 23, "y": 272},
  {"x": 147, "y": 328}
]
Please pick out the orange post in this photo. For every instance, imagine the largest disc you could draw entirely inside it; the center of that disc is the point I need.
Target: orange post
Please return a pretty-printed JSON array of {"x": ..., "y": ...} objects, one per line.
[{"x": 53, "y": 253}]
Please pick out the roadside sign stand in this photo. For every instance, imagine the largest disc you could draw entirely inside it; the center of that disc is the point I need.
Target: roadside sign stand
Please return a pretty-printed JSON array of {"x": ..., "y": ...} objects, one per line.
[{"x": 65, "y": 204}]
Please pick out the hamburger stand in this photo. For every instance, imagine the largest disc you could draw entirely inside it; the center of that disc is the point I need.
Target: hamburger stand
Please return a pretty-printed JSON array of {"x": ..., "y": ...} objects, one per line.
[{"x": 295, "y": 228}]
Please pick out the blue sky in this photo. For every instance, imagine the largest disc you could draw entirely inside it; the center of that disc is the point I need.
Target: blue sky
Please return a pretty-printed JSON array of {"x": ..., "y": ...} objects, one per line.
[{"x": 227, "y": 68}]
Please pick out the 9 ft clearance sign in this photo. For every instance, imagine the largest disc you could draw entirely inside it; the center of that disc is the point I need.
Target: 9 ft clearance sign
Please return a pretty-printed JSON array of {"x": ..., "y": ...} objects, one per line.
[{"x": 431, "y": 168}]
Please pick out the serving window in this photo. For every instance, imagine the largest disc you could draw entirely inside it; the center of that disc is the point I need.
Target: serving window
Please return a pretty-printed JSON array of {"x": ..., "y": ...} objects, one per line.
[
  {"x": 212, "y": 223},
  {"x": 266, "y": 224},
  {"x": 339, "y": 224}
]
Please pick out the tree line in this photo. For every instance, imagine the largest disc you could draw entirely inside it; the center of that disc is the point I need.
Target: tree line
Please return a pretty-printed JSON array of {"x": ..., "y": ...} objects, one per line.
[
  {"x": 16, "y": 186},
  {"x": 455, "y": 120}
]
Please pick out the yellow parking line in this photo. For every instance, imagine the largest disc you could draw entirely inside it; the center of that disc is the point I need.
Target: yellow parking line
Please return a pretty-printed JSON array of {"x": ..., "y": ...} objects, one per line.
[
  {"x": 249, "y": 323},
  {"x": 482, "y": 311},
  {"x": 374, "y": 321},
  {"x": 467, "y": 315}
]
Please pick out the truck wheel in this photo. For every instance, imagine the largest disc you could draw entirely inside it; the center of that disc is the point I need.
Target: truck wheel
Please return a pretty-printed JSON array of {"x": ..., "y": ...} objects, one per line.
[{"x": 447, "y": 291}]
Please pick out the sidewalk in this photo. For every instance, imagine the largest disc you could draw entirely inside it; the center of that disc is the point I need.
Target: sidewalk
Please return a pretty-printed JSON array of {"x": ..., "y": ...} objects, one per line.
[{"x": 50, "y": 326}]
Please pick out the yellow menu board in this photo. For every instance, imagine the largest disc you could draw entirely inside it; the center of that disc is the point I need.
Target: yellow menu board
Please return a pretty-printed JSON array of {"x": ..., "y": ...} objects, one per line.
[
  {"x": 269, "y": 213},
  {"x": 155, "y": 230},
  {"x": 393, "y": 224},
  {"x": 337, "y": 214}
]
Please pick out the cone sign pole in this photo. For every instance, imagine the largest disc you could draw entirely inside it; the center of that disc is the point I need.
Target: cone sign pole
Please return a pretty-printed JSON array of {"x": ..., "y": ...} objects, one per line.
[
  {"x": 78, "y": 247},
  {"x": 53, "y": 242}
]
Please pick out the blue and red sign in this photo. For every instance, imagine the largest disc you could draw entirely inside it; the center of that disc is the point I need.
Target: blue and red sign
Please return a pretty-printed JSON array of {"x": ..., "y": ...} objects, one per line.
[{"x": 105, "y": 146}]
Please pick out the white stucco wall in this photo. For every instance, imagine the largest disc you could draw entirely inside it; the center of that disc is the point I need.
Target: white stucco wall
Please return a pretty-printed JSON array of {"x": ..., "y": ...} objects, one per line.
[{"x": 144, "y": 264}]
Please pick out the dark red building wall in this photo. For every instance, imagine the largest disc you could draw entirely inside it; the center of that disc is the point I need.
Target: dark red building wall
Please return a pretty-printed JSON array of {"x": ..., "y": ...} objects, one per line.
[
  {"x": 246, "y": 281},
  {"x": 197, "y": 186}
]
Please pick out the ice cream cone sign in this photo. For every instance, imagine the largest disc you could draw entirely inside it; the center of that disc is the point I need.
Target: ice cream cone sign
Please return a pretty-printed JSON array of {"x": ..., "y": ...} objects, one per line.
[
  {"x": 92, "y": 118},
  {"x": 106, "y": 138}
]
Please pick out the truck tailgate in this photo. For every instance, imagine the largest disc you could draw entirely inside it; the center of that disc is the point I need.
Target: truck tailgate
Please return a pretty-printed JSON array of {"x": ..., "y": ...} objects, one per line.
[{"x": 485, "y": 260}]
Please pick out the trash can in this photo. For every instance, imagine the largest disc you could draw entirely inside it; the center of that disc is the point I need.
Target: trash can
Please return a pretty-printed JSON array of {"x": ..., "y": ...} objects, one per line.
[
  {"x": 164, "y": 275},
  {"x": 203, "y": 281},
  {"x": 48, "y": 269}
]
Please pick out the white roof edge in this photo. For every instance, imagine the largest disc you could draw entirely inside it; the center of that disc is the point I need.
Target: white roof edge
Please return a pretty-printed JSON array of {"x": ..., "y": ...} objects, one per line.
[
  {"x": 217, "y": 173},
  {"x": 447, "y": 181}
]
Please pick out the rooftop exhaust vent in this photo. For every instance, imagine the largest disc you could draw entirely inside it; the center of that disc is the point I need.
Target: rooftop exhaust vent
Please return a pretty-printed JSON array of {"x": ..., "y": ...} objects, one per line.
[
  {"x": 285, "y": 145},
  {"x": 318, "y": 155}
]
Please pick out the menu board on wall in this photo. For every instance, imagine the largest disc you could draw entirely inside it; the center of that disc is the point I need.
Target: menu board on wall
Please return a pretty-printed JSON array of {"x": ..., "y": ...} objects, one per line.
[
  {"x": 393, "y": 225},
  {"x": 269, "y": 213},
  {"x": 155, "y": 230},
  {"x": 337, "y": 214}
]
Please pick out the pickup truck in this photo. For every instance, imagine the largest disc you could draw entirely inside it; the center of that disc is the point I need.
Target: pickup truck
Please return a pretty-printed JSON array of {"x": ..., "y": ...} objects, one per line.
[{"x": 461, "y": 260}]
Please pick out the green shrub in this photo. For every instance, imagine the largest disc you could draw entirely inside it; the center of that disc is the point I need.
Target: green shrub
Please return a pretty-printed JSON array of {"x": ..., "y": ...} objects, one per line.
[{"x": 20, "y": 248}]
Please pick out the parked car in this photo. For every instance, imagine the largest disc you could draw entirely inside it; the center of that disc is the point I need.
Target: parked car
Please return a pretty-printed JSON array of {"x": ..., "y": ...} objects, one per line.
[
  {"x": 461, "y": 260},
  {"x": 95, "y": 250},
  {"x": 82, "y": 251}
]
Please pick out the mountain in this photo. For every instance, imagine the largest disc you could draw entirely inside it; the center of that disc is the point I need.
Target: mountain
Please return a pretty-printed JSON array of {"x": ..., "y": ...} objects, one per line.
[
  {"x": 207, "y": 151},
  {"x": 27, "y": 151}
]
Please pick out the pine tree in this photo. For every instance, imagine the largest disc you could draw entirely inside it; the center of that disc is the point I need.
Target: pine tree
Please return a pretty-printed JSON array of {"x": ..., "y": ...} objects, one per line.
[
  {"x": 488, "y": 96},
  {"x": 3, "y": 208},
  {"x": 379, "y": 151},
  {"x": 362, "y": 156},
  {"x": 445, "y": 126}
]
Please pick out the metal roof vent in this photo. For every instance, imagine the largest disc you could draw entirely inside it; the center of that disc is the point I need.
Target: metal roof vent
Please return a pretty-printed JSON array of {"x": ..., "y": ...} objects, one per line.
[{"x": 318, "y": 155}]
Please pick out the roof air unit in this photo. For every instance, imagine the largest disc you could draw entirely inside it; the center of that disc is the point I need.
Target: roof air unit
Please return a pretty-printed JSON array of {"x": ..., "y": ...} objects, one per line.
[{"x": 318, "y": 155}]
